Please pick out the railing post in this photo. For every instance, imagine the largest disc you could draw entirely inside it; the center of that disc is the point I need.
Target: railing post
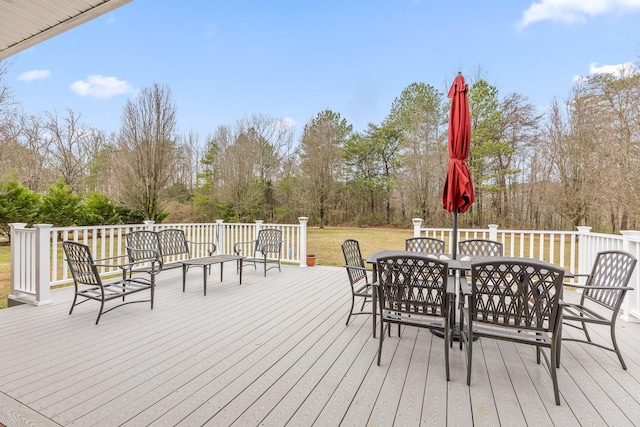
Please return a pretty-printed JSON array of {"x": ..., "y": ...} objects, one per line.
[
  {"x": 627, "y": 236},
  {"x": 493, "y": 232},
  {"x": 43, "y": 263},
  {"x": 583, "y": 252},
  {"x": 258, "y": 228},
  {"x": 149, "y": 225},
  {"x": 16, "y": 249},
  {"x": 219, "y": 239},
  {"x": 417, "y": 225},
  {"x": 302, "y": 251}
]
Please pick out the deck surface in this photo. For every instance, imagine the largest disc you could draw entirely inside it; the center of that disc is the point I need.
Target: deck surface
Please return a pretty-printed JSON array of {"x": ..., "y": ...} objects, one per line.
[{"x": 275, "y": 351}]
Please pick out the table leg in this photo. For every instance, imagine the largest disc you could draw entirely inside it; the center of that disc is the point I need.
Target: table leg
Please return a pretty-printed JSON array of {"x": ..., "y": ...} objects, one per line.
[
  {"x": 241, "y": 271},
  {"x": 221, "y": 264},
  {"x": 204, "y": 274},
  {"x": 374, "y": 298},
  {"x": 184, "y": 276}
]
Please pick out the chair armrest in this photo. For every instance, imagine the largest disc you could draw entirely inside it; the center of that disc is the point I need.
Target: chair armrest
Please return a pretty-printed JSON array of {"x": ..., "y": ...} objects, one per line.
[
  {"x": 237, "y": 246},
  {"x": 103, "y": 262},
  {"x": 211, "y": 246},
  {"x": 465, "y": 288},
  {"x": 357, "y": 268},
  {"x": 451, "y": 285},
  {"x": 612, "y": 288}
]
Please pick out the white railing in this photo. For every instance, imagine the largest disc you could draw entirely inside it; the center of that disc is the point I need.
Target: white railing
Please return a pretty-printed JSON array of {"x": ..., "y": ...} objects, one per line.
[
  {"x": 37, "y": 251},
  {"x": 575, "y": 251}
]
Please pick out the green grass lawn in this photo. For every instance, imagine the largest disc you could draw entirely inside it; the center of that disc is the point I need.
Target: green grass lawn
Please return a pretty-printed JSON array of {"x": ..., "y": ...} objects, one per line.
[
  {"x": 5, "y": 271},
  {"x": 325, "y": 242}
]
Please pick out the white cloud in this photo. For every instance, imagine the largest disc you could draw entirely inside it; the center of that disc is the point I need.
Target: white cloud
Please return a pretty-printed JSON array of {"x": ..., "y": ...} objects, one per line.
[
  {"x": 626, "y": 68},
  {"x": 287, "y": 122},
  {"x": 28, "y": 76},
  {"x": 574, "y": 11},
  {"x": 99, "y": 86}
]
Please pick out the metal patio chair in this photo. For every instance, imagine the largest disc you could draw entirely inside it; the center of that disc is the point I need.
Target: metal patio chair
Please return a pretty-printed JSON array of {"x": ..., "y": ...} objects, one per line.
[
  {"x": 414, "y": 290},
  {"x": 265, "y": 249},
  {"x": 517, "y": 301},
  {"x": 605, "y": 288},
  {"x": 358, "y": 276},
  {"x": 424, "y": 244},
  {"x": 480, "y": 247},
  {"x": 89, "y": 285}
]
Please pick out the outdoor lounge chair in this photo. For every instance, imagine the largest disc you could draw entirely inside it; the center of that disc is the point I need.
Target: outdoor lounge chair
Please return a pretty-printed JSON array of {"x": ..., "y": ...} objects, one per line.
[
  {"x": 415, "y": 291},
  {"x": 517, "y": 301},
  {"x": 424, "y": 244},
  {"x": 265, "y": 249},
  {"x": 358, "y": 277},
  {"x": 89, "y": 285},
  {"x": 605, "y": 288}
]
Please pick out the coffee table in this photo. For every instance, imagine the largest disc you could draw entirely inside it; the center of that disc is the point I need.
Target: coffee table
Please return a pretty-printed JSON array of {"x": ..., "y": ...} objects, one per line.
[{"x": 207, "y": 262}]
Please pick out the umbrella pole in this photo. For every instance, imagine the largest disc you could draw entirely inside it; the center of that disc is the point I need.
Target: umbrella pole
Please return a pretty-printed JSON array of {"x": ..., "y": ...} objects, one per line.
[{"x": 454, "y": 250}]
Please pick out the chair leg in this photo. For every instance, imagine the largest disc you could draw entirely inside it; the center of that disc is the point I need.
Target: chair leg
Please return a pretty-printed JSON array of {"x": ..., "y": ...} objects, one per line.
[
  {"x": 552, "y": 369},
  {"x": 447, "y": 337},
  {"x": 353, "y": 300},
  {"x": 615, "y": 346},
  {"x": 381, "y": 340},
  {"x": 586, "y": 332},
  {"x": 469, "y": 342},
  {"x": 75, "y": 298},
  {"x": 101, "y": 308}
]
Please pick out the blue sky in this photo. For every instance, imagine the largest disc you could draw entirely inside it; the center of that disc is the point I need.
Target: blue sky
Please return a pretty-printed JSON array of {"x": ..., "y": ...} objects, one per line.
[{"x": 224, "y": 60}]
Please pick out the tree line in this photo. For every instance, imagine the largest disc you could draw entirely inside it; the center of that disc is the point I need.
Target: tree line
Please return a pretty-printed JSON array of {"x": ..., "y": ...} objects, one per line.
[{"x": 576, "y": 163}]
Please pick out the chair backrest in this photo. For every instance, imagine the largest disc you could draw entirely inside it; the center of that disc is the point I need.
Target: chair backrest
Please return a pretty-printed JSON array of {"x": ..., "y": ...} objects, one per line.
[
  {"x": 480, "y": 247},
  {"x": 424, "y": 244},
  {"x": 269, "y": 240},
  {"x": 611, "y": 269},
  {"x": 81, "y": 264},
  {"x": 519, "y": 294},
  {"x": 145, "y": 242},
  {"x": 173, "y": 242},
  {"x": 353, "y": 258},
  {"x": 413, "y": 284}
]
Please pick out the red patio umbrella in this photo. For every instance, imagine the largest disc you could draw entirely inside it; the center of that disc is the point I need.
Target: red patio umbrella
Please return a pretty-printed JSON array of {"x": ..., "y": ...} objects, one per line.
[{"x": 458, "y": 194}]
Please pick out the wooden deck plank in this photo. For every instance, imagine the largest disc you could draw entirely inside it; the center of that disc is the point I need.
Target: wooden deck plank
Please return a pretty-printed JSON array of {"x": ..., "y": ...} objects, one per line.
[{"x": 271, "y": 352}]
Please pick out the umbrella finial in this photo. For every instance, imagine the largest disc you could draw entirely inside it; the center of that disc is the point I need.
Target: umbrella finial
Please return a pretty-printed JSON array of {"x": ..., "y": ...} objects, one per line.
[{"x": 459, "y": 73}]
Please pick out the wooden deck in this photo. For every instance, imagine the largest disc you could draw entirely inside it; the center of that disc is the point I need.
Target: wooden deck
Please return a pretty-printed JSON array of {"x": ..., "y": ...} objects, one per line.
[{"x": 275, "y": 351}]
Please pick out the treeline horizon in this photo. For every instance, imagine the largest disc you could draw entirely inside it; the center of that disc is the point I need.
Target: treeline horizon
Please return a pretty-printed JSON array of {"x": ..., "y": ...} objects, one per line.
[{"x": 577, "y": 163}]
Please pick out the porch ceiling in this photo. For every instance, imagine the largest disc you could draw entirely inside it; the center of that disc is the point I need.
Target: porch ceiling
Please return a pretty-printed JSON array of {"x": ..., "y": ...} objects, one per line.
[{"x": 26, "y": 23}]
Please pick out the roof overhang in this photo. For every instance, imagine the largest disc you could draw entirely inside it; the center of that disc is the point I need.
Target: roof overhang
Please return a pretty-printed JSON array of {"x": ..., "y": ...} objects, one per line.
[{"x": 26, "y": 23}]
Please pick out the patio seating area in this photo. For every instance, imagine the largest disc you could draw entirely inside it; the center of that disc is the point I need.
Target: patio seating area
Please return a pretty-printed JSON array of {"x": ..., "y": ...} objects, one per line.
[{"x": 265, "y": 353}]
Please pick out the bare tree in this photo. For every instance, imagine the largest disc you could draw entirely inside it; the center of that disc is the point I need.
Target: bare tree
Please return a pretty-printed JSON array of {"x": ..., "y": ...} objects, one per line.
[
  {"x": 72, "y": 147},
  {"x": 147, "y": 144}
]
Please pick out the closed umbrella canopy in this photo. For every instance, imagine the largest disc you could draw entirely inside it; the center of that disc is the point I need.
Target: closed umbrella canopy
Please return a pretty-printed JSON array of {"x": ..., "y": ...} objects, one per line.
[{"x": 458, "y": 194}]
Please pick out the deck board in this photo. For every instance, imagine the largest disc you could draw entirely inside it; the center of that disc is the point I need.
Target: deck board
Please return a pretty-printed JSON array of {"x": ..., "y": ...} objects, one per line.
[{"x": 275, "y": 351}]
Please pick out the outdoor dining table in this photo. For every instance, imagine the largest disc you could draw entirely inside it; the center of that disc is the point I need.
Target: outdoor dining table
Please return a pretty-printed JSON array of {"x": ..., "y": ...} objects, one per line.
[{"x": 461, "y": 264}]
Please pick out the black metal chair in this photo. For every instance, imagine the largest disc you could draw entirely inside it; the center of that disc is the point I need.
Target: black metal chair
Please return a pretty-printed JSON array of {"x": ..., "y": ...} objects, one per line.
[
  {"x": 415, "y": 291},
  {"x": 266, "y": 248},
  {"x": 606, "y": 288},
  {"x": 89, "y": 285},
  {"x": 424, "y": 244},
  {"x": 361, "y": 287},
  {"x": 480, "y": 247},
  {"x": 517, "y": 301},
  {"x": 143, "y": 249}
]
